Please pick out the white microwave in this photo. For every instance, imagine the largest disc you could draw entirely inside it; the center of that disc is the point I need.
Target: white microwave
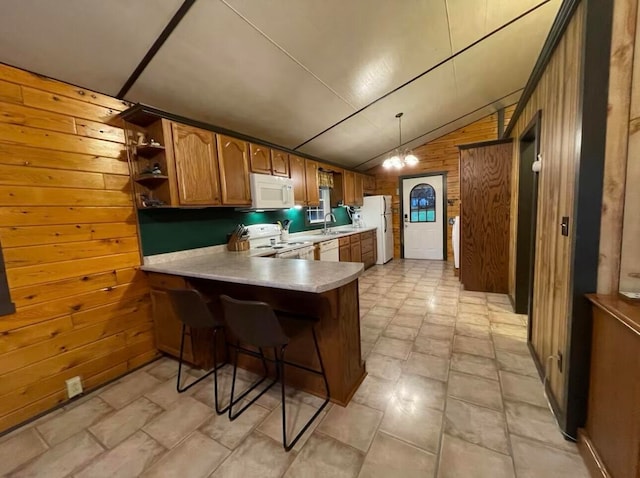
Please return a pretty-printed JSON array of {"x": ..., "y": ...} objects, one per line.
[{"x": 271, "y": 192}]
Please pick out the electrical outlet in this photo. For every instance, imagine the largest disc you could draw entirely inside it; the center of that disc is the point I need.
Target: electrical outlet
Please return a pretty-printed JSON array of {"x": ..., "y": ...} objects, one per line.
[{"x": 74, "y": 387}]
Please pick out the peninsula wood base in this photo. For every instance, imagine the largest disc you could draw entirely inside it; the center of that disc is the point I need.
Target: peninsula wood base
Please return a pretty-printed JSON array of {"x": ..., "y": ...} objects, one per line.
[{"x": 337, "y": 329}]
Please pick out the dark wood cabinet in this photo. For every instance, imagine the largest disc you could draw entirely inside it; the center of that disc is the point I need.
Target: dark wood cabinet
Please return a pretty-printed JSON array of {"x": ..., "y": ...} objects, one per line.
[
  {"x": 356, "y": 248},
  {"x": 367, "y": 245},
  {"x": 611, "y": 437},
  {"x": 298, "y": 174},
  {"x": 345, "y": 249},
  {"x": 279, "y": 163},
  {"x": 233, "y": 156},
  {"x": 260, "y": 159},
  {"x": 196, "y": 165},
  {"x": 485, "y": 195},
  {"x": 313, "y": 191},
  {"x": 369, "y": 184}
]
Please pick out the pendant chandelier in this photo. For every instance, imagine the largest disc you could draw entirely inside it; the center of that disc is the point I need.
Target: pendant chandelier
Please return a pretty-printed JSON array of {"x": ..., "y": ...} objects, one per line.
[{"x": 400, "y": 156}]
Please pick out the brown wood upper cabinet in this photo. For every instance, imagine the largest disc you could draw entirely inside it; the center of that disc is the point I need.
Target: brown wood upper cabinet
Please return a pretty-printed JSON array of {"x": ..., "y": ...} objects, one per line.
[
  {"x": 260, "y": 159},
  {"x": 313, "y": 193},
  {"x": 369, "y": 185},
  {"x": 279, "y": 163},
  {"x": 233, "y": 155},
  {"x": 297, "y": 171},
  {"x": 349, "y": 187},
  {"x": 358, "y": 190},
  {"x": 196, "y": 165}
]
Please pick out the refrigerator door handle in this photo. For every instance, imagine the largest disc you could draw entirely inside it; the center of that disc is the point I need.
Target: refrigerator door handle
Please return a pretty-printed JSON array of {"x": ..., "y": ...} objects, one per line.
[
  {"x": 384, "y": 207},
  {"x": 385, "y": 223}
]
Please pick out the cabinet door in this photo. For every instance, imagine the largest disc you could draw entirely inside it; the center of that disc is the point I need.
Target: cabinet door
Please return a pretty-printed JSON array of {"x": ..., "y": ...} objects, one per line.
[
  {"x": 359, "y": 190},
  {"x": 168, "y": 328},
  {"x": 345, "y": 253},
  {"x": 233, "y": 155},
  {"x": 356, "y": 253},
  {"x": 260, "y": 159},
  {"x": 349, "y": 186},
  {"x": 297, "y": 171},
  {"x": 313, "y": 193},
  {"x": 196, "y": 165},
  {"x": 279, "y": 163},
  {"x": 369, "y": 184}
]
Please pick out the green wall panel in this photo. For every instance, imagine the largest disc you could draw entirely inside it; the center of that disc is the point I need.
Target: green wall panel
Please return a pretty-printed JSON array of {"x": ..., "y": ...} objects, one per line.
[{"x": 169, "y": 230}]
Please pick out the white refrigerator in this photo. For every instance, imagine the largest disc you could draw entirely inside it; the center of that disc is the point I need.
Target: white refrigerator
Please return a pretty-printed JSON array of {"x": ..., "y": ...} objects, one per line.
[{"x": 376, "y": 212}]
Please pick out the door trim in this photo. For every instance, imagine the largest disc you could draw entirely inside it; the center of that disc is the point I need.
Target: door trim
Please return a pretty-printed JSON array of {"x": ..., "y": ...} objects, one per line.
[{"x": 445, "y": 222}]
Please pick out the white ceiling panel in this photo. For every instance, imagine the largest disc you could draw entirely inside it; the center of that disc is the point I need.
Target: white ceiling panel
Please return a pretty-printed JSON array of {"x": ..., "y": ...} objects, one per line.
[
  {"x": 426, "y": 103},
  {"x": 448, "y": 128},
  {"x": 470, "y": 20},
  {"x": 362, "y": 49},
  {"x": 216, "y": 68},
  {"x": 503, "y": 62},
  {"x": 350, "y": 142},
  {"x": 92, "y": 43}
]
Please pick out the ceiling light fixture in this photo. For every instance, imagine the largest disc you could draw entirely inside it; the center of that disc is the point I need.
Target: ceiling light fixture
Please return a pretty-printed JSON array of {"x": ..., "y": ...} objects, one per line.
[{"x": 400, "y": 156}]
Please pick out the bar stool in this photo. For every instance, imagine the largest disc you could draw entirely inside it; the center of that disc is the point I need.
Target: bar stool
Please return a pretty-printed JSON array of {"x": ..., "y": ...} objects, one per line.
[
  {"x": 192, "y": 309},
  {"x": 256, "y": 324}
]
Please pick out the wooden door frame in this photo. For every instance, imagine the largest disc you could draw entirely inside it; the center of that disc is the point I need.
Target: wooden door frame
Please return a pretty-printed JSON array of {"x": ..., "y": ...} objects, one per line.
[
  {"x": 444, "y": 208},
  {"x": 534, "y": 128}
]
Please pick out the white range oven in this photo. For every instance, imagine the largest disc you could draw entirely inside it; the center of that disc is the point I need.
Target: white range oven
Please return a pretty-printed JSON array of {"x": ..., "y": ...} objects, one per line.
[{"x": 266, "y": 237}]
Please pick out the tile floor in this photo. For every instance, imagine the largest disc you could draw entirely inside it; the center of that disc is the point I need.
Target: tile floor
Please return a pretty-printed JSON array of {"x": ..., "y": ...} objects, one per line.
[{"x": 451, "y": 392}]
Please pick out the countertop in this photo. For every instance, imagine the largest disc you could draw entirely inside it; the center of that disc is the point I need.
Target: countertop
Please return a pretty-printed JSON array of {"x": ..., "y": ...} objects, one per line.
[{"x": 241, "y": 268}]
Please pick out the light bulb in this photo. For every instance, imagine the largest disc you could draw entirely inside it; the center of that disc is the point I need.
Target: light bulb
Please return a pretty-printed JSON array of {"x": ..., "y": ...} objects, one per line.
[{"x": 410, "y": 159}]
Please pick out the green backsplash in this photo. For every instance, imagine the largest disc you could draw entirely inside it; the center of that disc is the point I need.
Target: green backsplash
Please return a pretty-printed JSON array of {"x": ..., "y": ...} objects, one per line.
[{"x": 169, "y": 230}]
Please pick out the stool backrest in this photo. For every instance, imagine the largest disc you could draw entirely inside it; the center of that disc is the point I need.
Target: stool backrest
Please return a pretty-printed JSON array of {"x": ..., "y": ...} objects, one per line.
[
  {"x": 191, "y": 308},
  {"x": 253, "y": 322}
]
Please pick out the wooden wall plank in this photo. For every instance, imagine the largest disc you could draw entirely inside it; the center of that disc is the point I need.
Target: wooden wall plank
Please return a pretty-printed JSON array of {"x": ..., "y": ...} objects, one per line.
[
  {"x": 10, "y": 92},
  {"x": 17, "y": 338},
  {"x": 45, "y": 158},
  {"x": 41, "y": 273},
  {"x": 33, "y": 196},
  {"x": 127, "y": 305},
  {"x": 93, "y": 129},
  {"x": 40, "y": 138},
  {"x": 117, "y": 182},
  {"x": 34, "y": 255},
  {"x": 61, "y": 104},
  {"x": 35, "y": 294},
  {"x": 35, "y": 216},
  {"x": 35, "y": 235},
  {"x": 28, "y": 176},
  {"x": 25, "y": 116},
  {"x": 26, "y": 78}
]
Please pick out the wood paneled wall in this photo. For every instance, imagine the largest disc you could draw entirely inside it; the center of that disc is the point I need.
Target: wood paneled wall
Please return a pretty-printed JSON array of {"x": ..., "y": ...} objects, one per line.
[
  {"x": 630, "y": 254},
  {"x": 624, "y": 68},
  {"x": 440, "y": 154},
  {"x": 69, "y": 235},
  {"x": 558, "y": 95}
]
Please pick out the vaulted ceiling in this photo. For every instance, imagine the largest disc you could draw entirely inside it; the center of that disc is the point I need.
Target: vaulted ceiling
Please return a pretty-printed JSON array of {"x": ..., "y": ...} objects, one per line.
[{"x": 325, "y": 78}]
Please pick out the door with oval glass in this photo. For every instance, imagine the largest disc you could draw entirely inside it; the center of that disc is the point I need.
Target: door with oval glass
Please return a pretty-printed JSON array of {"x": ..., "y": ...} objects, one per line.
[{"x": 423, "y": 217}]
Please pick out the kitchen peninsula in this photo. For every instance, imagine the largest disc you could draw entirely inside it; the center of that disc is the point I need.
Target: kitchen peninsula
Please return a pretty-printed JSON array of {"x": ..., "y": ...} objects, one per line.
[{"x": 327, "y": 291}]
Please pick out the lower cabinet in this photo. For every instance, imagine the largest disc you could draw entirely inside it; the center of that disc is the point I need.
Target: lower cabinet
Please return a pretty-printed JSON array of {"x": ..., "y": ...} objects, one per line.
[
  {"x": 345, "y": 249},
  {"x": 367, "y": 248},
  {"x": 359, "y": 248}
]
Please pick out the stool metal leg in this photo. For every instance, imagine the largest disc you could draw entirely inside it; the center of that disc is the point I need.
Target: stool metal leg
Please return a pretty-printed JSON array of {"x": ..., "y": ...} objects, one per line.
[
  {"x": 281, "y": 363},
  {"x": 234, "y": 400}
]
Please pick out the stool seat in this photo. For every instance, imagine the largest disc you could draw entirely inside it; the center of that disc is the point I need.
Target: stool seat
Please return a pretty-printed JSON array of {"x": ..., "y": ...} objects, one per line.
[{"x": 257, "y": 325}]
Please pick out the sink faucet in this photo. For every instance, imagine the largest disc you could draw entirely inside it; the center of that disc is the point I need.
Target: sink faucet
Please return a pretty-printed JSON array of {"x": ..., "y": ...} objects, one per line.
[{"x": 330, "y": 216}]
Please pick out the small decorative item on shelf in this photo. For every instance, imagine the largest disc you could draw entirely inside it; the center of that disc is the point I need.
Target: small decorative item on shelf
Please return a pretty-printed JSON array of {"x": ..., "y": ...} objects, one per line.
[
  {"x": 154, "y": 143},
  {"x": 155, "y": 169},
  {"x": 150, "y": 202},
  {"x": 142, "y": 139}
]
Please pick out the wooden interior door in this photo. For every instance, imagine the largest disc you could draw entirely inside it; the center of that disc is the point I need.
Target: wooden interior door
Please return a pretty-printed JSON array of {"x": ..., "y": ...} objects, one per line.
[
  {"x": 196, "y": 165},
  {"x": 233, "y": 155},
  {"x": 260, "y": 159},
  {"x": 485, "y": 195}
]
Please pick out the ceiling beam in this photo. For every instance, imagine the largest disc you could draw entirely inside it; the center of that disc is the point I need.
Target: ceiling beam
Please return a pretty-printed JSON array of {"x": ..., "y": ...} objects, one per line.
[
  {"x": 173, "y": 23},
  {"x": 502, "y": 27}
]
